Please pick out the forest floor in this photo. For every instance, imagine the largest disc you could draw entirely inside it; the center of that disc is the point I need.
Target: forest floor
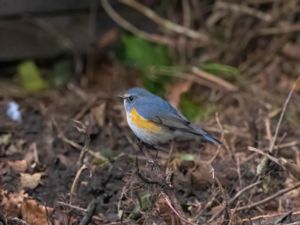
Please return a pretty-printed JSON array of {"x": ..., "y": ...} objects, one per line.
[{"x": 72, "y": 158}]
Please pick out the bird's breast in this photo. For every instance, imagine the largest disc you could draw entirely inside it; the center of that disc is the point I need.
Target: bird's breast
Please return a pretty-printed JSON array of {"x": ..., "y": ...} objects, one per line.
[{"x": 137, "y": 120}]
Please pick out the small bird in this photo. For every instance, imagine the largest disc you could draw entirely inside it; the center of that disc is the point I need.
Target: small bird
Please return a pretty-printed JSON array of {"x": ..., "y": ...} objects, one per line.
[{"x": 155, "y": 121}]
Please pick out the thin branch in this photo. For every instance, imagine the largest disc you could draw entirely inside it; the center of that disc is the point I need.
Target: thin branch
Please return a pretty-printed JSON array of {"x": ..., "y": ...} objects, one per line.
[
  {"x": 84, "y": 150},
  {"x": 223, "y": 83},
  {"x": 90, "y": 212},
  {"x": 284, "y": 29},
  {"x": 282, "y": 115},
  {"x": 237, "y": 195},
  {"x": 167, "y": 24},
  {"x": 131, "y": 28},
  {"x": 82, "y": 210},
  {"x": 77, "y": 146},
  {"x": 75, "y": 182},
  {"x": 245, "y": 10},
  {"x": 77, "y": 208},
  {"x": 267, "y": 216},
  {"x": 263, "y": 201},
  {"x": 169, "y": 203},
  {"x": 286, "y": 145},
  {"x": 270, "y": 157}
]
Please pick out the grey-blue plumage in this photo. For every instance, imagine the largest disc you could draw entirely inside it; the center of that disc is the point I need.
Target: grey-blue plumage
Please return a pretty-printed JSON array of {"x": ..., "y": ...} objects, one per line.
[{"x": 157, "y": 110}]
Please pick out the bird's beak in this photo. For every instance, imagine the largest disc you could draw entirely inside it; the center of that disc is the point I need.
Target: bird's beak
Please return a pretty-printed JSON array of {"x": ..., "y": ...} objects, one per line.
[{"x": 120, "y": 97}]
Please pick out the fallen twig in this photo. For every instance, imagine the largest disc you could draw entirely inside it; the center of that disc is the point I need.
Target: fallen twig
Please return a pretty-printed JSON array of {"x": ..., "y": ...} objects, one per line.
[
  {"x": 265, "y": 200},
  {"x": 270, "y": 157},
  {"x": 237, "y": 195},
  {"x": 75, "y": 182},
  {"x": 262, "y": 166},
  {"x": 77, "y": 208},
  {"x": 169, "y": 203},
  {"x": 84, "y": 150},
  {"x": 282, "y": 114},
  {"x": 89, "y": 212},
  {"x": 284, "y": 29},
  {"x": 269, "y": 216},
  {"x": 79, "y": 147},
  {"x": 72, "y": 206},
  {"x": 250, "y": 186}
]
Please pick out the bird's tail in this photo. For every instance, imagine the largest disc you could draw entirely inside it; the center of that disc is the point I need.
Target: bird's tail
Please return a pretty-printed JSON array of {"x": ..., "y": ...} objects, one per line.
[
  {"x": 207, "y": 137},
  {"x": 211, "y": 139}
]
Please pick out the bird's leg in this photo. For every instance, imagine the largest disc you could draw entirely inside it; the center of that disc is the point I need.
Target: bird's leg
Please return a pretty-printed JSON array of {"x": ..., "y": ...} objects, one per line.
[
  {"x": 169, "y": 171},
  {"x": 142, "y": 147},
  {"x": 156, "y": 175},
  {"x": 149, "y": 160},
  {"x": 156, "y": 153}
]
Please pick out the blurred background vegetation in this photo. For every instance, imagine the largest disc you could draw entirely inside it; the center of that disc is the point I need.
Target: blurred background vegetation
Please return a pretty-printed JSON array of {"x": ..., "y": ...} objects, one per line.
[{"x": 167, "y": 46}]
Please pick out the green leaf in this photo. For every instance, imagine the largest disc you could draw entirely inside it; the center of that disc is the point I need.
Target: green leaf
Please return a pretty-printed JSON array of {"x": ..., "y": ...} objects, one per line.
[
  {"x": 144, "y": 54},
  {"x": 146, "y": 57},
  {"x": 146, "y": 201},
  {"x": 187, "y": 157},
  {"x": 30, "y": 77},
  {"x": 193, "y": 110},
  {"x": 62, "y": 72},
  {"x": 221, "y": 70}
]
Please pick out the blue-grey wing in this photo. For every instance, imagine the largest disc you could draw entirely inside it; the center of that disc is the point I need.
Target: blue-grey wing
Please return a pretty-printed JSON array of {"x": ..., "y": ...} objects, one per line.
[{"x": 161, "y": 112}]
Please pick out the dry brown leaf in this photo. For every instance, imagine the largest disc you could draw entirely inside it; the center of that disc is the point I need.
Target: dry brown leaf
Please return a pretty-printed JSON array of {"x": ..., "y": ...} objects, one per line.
[
  {"x": 19, "y": 205},
  {"x": 19, "y": 166},
  {"x": 34, "y": 213},
  {"x": 99, "y": 113},
  {"x": 202, "y": 174},
  {"x": 11, "y": 202},
  {"x": 30, "y": 180},
  {"x": 177, "y": 90}
]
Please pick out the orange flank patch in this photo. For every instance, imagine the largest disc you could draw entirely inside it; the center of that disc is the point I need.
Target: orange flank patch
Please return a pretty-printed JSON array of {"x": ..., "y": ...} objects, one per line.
[{"x": 142, "y": 123}]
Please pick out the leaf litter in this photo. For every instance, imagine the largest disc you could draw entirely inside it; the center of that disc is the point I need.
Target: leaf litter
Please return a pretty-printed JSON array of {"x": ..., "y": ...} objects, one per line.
[
  {"x": 192, "y": 183},
  {"x": 203, "y": 178}
]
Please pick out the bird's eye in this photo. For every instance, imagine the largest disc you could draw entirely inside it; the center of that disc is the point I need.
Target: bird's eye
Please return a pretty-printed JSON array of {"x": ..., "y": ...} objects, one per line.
[{"x": 130, "y": 98}]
